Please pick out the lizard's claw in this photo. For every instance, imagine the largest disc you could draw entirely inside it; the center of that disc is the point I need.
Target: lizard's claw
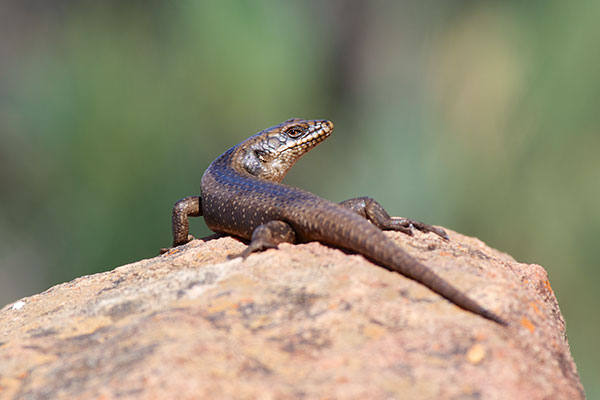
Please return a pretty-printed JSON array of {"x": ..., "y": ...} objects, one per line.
[
  {"x": 167, "y": 249},
  {"x": 406, "y": 225},
  {"x": 434, "y": 229},
  {"x": 254, "y": 246}
]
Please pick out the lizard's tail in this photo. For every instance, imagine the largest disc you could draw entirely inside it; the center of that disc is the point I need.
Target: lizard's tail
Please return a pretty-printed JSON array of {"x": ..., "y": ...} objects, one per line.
[{"x": 411, "y": 268}]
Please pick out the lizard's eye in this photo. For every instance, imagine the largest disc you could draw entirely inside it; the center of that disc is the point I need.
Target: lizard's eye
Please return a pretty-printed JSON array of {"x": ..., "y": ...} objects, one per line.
[{"x": 294, "y": 131}]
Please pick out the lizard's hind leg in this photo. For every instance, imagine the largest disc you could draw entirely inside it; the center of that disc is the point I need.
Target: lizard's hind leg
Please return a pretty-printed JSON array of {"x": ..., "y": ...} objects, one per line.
[
  {"x": 373, "y": 211},
  {"x": 268, "y": 236}
]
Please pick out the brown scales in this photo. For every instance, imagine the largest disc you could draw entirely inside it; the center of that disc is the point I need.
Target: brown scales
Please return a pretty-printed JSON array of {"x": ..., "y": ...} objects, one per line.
[{"x": 241, "y": 195}]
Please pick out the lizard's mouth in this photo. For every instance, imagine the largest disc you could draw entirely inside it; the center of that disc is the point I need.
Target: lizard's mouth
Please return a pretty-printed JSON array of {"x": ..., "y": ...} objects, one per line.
[{"x": 321, "y": 133}]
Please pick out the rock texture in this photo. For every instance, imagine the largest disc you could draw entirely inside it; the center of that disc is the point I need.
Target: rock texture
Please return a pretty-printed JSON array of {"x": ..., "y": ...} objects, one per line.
[{"x": 303, "y": 321}]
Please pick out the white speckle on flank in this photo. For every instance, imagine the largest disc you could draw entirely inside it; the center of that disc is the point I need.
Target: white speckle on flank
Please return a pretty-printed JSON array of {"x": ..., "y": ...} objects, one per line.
[{"x": 18, "y": 305}]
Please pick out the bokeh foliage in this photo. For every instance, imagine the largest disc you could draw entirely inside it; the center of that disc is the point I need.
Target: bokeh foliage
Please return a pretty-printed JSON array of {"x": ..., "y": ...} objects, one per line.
[{"x": 480, "y": 116}]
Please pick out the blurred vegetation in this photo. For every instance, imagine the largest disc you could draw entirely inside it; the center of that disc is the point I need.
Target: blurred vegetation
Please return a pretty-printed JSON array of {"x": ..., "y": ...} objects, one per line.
[{"x": 479, "y": 116}]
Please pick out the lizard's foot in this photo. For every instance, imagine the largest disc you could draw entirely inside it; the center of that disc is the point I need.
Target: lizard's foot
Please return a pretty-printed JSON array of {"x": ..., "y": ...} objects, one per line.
[
  {"x": 401, "y": 224},
  {"x": 167, "y": 249},
  {"x": 254, "y": 246},
  {"x": 368, "y": 208},
  {"x": 268, "y": 236}
]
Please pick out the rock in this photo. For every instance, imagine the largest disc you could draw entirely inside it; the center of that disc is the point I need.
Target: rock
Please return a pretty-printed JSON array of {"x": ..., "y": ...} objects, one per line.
[{"x": 301, "y": 321}]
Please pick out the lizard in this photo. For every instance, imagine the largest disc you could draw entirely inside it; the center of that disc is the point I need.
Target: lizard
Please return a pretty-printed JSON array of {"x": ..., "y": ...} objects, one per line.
[{"x": 242, "y": 195}]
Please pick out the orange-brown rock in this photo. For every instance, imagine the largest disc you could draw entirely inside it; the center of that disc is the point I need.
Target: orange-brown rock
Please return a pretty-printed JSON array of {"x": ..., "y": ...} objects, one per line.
[{"x": 301, "y": 321}]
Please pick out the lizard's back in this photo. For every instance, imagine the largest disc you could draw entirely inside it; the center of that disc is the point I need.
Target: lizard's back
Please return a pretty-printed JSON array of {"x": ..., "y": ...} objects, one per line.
[{"x": 235, "y": 203}]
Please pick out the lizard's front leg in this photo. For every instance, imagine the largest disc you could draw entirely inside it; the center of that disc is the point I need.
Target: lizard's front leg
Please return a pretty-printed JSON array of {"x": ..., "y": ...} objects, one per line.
[
  {"x": 374, "y": 212},
  {"x": 190, "y": 206},
  {"x": 268, "y": 236}
]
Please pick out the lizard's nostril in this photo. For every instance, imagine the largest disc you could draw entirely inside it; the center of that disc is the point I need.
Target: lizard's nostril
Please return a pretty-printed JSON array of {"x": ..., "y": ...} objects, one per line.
[{"x": 328, "y": 125}]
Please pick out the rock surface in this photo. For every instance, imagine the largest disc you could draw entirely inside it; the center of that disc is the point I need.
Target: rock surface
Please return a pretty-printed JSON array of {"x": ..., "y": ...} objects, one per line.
[{"x": 301, "y": 321}]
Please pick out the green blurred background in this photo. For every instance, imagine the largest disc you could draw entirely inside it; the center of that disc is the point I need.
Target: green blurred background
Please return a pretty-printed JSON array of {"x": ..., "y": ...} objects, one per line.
[{"x": 482, "y": 116}]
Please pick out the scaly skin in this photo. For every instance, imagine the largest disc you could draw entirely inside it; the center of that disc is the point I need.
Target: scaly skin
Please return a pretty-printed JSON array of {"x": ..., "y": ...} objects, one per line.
[{"x": 241, "y": 195}]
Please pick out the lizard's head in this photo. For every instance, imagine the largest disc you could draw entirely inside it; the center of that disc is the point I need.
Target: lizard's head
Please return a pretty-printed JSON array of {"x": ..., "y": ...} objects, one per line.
[{"x": 271, "y": 153}]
